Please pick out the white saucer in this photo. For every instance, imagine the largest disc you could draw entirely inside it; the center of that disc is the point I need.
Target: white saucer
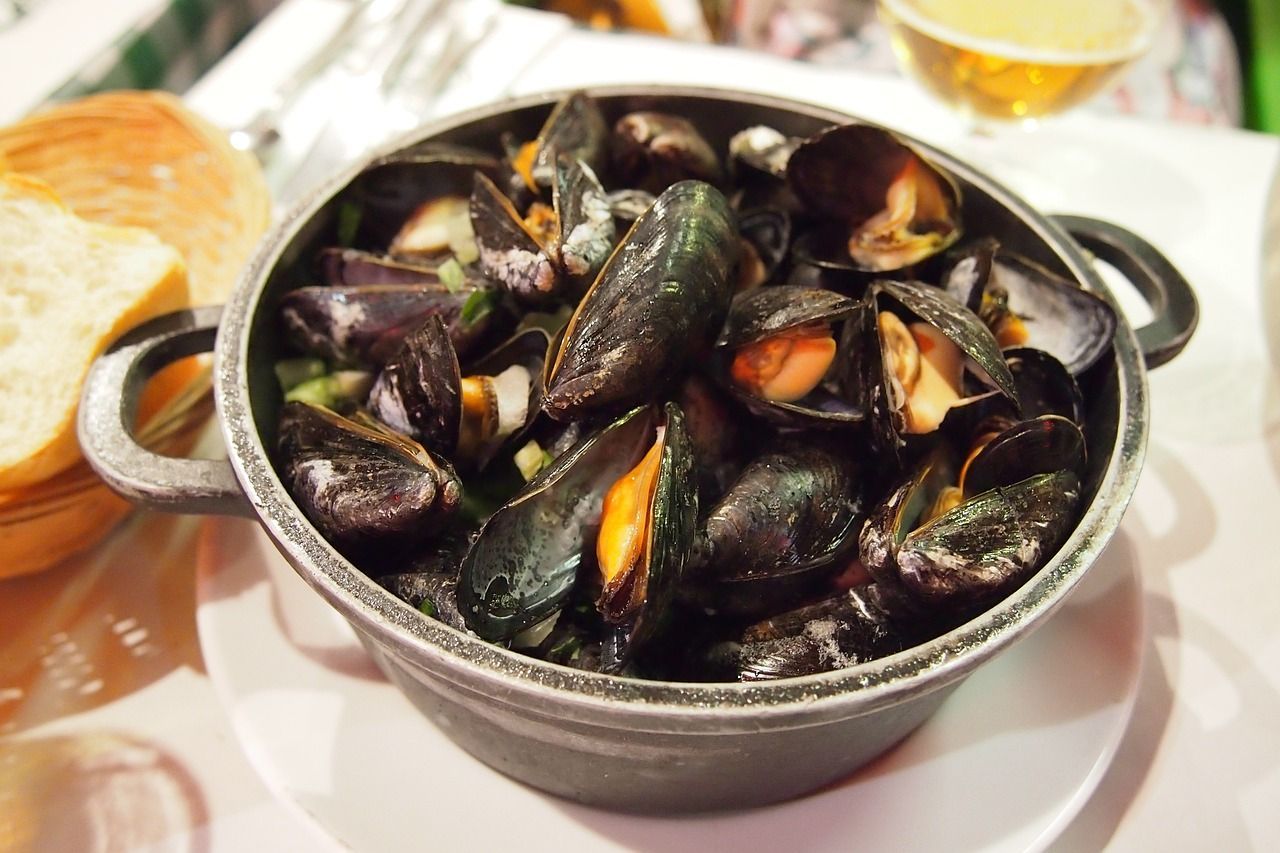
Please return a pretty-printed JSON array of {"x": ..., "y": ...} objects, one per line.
[{"x": 1004, "y": 765}]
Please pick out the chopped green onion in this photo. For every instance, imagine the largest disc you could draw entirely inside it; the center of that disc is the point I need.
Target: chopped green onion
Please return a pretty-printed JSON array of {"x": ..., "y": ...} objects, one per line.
[
  {"x": 531, "y": 459},
  {"x": 349, "y": 215},
  {"x": 292, "y": 372},
  {"x": 478, "y": 304},
  {"x": 428, "y": 607},
  {"x": 317, "y": 392},
  {"x": 451, "y": 275}
]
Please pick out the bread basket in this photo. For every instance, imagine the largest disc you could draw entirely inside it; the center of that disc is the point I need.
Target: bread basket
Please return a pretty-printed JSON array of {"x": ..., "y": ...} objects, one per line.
[{"x": 145, "y": 160}]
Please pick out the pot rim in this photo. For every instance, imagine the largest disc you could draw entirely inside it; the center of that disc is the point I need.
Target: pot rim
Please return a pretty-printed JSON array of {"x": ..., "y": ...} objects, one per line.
[{"x": 451, "y": 655}]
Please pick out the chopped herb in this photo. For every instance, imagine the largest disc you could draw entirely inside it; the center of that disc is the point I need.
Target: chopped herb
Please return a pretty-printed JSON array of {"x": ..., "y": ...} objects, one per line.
[
  {"x": 292, "y": 372},
  {"x": 428, "y": 607},
  {"x": 478, "y": 304},
  {"x": 451, "y": 275},
  {"x": 349, "y": 215},
  {"x": 317, "y": 392}
]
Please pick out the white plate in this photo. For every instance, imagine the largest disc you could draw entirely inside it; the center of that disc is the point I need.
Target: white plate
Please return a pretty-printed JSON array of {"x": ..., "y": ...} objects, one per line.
[{"x": 1004, "y": 765}]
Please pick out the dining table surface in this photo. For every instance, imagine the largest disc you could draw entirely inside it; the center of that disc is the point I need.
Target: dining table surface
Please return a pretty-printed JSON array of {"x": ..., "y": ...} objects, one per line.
[{"x": 177, "y": 688}]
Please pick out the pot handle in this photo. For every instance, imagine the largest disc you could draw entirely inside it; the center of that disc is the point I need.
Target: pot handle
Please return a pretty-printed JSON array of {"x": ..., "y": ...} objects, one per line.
[
  {"x": 1173, "y": 302},
  {"x": 108, "y": 407}
]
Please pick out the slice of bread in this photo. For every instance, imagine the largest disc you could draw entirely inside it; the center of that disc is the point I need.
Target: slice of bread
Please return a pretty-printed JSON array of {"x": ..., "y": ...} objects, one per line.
[{"x": 68, "y": 288}]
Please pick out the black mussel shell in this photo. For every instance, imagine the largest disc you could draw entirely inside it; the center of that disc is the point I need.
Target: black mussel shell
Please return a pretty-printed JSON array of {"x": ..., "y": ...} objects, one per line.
[
  {"x": 353, "y": 267},
  {"x": 360, "y": 484},
  {"x": 1045, "y": 386},
  {"x": 716, "y": 435},
  {"x": 527, "y": 558},
  {"x": 758, "y": 159},
  {"x": 524, "y": 562},
  {"x": 844, "y": 630},
  {"x": 1070, "y": 323},
  {"x": 510, "y": 255},
  {"x": 766, "y": 235},
  {"x": 660, "y": 297},
  {"x": 990, "y": 543},
  {"x": 433, "y": 593},
  {"x": 780, "y": 530},
  {"x": 419, "y": 390},
  {"x": 365, "y": 324},
  {"x": 576, "y": 129},
  {"x": 391, "y": 188},
  {"x": 585, "y": 228},
  {"x": 653, "y": 150},
  {"x": 968, "y": 270},
  {"x": 1040, "y": 445}
]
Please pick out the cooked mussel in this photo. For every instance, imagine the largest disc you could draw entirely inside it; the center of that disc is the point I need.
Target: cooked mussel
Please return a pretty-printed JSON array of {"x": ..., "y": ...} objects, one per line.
[
  {"x": 575, "y": 128},
  {"x": 660, "y": 297},
  {"x": 949, "y": 548},
  {"x": 653, "y": 150},
  {"x": 615, "y": 513},
  {"x": 1024, "y": 304},
  {"x": 780, "y": 530},
  {"x": 361, "y": 484},
  {"x": 547, "y": 251},
  {"x": 913, "y": 347},
  {"x": 364, "y": 324},
  {"x": 885, "y": 207},
  {"x": 778, "y": 355},
  {"x": 422, "y": 392},
  {"x": 846, "y": 629}
]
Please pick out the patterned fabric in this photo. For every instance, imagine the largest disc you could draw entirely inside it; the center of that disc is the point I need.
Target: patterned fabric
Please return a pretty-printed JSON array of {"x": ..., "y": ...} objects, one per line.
[{"x": 171, "y": 48}]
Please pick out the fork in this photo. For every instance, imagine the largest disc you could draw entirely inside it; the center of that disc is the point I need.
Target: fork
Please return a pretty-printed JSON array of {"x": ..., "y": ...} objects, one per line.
[{"x": 441, "y": 32}]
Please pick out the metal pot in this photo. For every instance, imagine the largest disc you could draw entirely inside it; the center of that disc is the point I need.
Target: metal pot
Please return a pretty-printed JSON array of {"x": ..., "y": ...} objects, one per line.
[{"x": 614, "y": 742}]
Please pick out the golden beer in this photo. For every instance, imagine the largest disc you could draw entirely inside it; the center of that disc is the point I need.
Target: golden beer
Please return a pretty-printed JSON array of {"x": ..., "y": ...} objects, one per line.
[{"x": 1017, "y": 59}]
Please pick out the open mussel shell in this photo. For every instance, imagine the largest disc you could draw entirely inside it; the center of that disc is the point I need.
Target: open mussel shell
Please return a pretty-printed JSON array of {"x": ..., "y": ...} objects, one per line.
[
  {"x": 575, "y": 128},
  {"x": 968, "y": 270},
  {"x": 362, "y": 485},
  {"x": 419, "y": 390},
  {"x": 509, "y": 253},
  {"x": 1045, "y": 386},
  {"x": 780, "y": 531},
  {"x": 422, "y": 393},
  {"x": 660, "y": 298},
  {"x": 653, "y": 150},
  {"x": 585, "y": 229},
  {"x": 393, "y": 187},
  {"x": 1072, "y": 324},
  {"x": 766, "y": 313},
  {"x": 882, "y": 393},
  {"x": 974, "y": 552},
  {"x": 885, "y": 207},
  {"x": 365, "y": 324},
  {"x": 527, "y": 558},
  {"x": 1040, "y": 445},
  {"x": 766, "y": 240}
]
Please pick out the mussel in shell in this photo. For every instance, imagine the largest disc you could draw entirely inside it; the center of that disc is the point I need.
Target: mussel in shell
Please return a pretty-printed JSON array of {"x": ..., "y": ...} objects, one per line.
[
  {"x": 653, "y": 150},
  {"x": 575, "y": 129},
  {"x": 538, "y": 255},
  {"x": 622, "y": 501},
  {"x": 779, "y": 356},
  {"x": 885, "y": 206},
  {"x": 422, "y": 392},
  {"x": 364, "y": 324},
  {"x": 362, "y": 485},
  {"x": 780, "y": 529},
  {"x": 914, "y": 346},
  {"x": 660, "y": 298}
]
